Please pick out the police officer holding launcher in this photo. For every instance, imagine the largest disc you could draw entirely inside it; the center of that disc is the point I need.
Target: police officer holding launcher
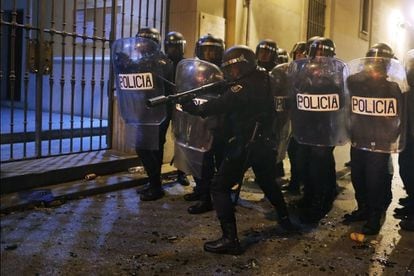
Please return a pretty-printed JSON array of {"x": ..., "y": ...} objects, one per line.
[{"x": 248, "y": 104}]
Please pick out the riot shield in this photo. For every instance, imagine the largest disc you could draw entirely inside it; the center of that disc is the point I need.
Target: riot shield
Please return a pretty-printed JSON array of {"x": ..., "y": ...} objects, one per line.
[
  {"x": 281, "y": 126},
  {"x": 409, "y": 68},
  {"x": 140, "y": 69},
  {"x": 319, "y": 101},
  {"x": 193, "y": 134},
  {"x": 377, "y": 120}
]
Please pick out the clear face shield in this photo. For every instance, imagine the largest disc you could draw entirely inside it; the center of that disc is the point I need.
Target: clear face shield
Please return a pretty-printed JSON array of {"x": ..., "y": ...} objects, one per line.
[
  {"x": 299, "y": 55},
  {"x": 174, "y": 51},
  {"x": 235, "y": 68},
  {"x": 211, "y": 54},
  {"x": 265, "y": 55},
  {"x": 377, "y": 66},
  {"x": 144, "y": 48}
]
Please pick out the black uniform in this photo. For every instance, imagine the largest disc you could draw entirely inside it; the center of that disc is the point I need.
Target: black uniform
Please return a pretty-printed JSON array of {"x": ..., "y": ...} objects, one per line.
[
  {"x": 152, "y": 159},
  {"x": 212, "y": 161},
  {"x": 369, "y": 170},
  {"x": 174, "y": 45},
  {"x": 248, "y": 103},
  {"x": 209, "y": 48},
  {"x": 317, "y": 167},
  {"x": 406, "y": 159}
]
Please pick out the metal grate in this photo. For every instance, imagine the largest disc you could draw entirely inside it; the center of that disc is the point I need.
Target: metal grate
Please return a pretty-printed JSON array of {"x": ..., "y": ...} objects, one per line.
[
  {"x": 55, "y": 75},
  {"x": 316, "y": 18}
]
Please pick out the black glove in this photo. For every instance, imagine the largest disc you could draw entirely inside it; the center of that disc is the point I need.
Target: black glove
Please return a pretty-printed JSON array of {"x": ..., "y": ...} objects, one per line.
[
  {"x": 190, "y": 107},
  {"x": 186, "y": 98}
]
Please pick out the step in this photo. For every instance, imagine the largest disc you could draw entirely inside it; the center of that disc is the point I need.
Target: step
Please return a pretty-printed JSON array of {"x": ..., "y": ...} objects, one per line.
[
  {"x": 28, "y": 174},
  {"x": 54, "y": 195}
]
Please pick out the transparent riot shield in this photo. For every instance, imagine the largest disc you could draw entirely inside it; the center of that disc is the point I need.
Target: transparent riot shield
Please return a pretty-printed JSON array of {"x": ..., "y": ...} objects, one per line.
[
  {"x": 409, "y": 68},
  {"x": 377, "y": 119},
  {"x": 282, "y": 125},
  {"x": 193, "y": 135},
  {"x": 319, "y": 101},
  {"x": 140, "y": 69}
]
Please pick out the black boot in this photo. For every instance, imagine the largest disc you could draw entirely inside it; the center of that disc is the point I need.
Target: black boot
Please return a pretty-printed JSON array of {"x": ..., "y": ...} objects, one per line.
[
  {"x": 228, "y": 243},
  {"x": 202, "y": 206},
  {"x": 287, "y": 224},
  {"x": 373, "y": 225},
  {"x": 182, "y": 179},
  {"x": 194, "y": 196},
  {"x": 407, "y": 224},
  {"x": 153, "y": 192},
  {"x": 359, "y": 214}
]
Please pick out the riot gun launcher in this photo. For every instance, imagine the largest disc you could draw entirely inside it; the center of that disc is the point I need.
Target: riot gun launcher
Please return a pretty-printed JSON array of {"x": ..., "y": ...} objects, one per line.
[{"x": 185, "y": 96}]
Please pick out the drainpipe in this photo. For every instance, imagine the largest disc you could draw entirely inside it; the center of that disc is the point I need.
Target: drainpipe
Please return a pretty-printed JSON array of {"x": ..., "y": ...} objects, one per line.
[
  {"x": 371, "y": 12},
  {"x": 247, "y": 5}
]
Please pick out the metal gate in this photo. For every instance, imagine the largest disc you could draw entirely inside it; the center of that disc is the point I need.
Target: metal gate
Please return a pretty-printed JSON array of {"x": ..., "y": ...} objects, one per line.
[{"x": 56, "y": 81}]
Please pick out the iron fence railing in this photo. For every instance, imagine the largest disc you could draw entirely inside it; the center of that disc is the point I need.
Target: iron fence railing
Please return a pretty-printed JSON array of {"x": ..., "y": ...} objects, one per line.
[{"x": 56, "y": 81}]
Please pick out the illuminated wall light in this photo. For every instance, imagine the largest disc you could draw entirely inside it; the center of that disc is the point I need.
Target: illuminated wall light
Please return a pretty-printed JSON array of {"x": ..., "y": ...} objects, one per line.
[{"x": 397, "y": 34}]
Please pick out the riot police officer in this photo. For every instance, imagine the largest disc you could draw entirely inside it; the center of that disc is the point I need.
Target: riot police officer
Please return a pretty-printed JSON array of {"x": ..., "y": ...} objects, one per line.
[
  {"x": 298, "y": 50},
  {"x": 318, "y": 126},
  {"x": 249, "y": 106},
  {"x": 406, "y": 157},
  {"x": 149, "y": 33},
  {"x": 209, "y": 48},
  {"x": 174, "y": 46},
  {"x": 266, "y": 54},
  {"x": 267, "y": 58},
  {"x": 296, "y": 162},
  {"x": 376, "y": 113},
  {"x": 282, "y": 56},
  {"x": 152, "y": 158}
]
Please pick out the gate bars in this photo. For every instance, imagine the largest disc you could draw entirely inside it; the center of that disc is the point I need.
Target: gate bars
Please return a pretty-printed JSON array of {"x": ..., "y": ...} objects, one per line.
[{"x": 56, "y": 77}]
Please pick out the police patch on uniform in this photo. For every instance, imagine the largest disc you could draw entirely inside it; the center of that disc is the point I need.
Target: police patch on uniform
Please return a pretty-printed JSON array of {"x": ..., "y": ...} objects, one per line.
[{"x": 236, "y": 88}]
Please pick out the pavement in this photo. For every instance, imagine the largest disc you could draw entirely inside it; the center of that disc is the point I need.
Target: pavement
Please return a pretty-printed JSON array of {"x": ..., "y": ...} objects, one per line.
[{"x": 113, "y": 233}]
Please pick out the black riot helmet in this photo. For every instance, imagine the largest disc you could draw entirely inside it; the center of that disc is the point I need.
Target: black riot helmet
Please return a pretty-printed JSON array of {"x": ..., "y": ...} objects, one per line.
[
  {"x": 282, "y": 56},
  {"x": 309, "y": 42},
  {"x": 379, "y": 58},
  {"x": 380, "y": 50},
  {"x": 150, "y": 33},
  {"x": 238, "y": 61},
  {"x": 210, "y": 48},
  {"x": 266, "y": 54},
  {"x": 298, "y": 51},
  {"x": 174, "y": 45},
  {"x": 322, "y": 47}
]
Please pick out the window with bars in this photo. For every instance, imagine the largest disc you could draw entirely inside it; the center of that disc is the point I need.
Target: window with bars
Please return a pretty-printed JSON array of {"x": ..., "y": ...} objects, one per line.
[
  {"x": 364, "y": 19},
  {"x": 316, "y": 18}
]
